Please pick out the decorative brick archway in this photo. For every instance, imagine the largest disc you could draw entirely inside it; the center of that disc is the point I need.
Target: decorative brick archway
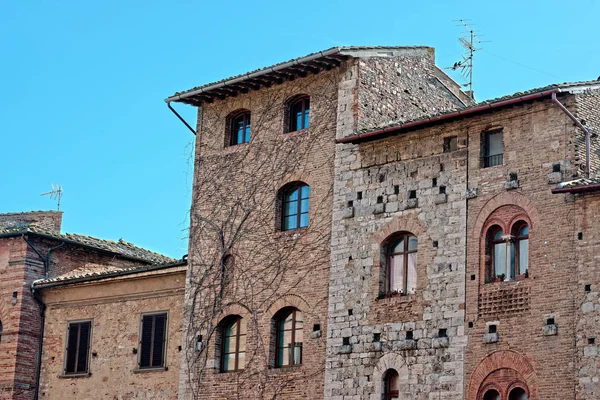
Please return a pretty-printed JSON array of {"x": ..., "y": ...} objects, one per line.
[{"x": 499, "y": 360}]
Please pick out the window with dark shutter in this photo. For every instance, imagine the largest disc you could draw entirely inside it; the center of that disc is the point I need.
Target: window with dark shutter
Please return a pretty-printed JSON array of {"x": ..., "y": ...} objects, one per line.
[
  {"x": 78, "y": 347},
  {"x": 152, "y": 341}
]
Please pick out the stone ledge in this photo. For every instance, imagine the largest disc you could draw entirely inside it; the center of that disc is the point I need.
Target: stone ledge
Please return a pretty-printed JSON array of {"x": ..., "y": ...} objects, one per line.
[
  {"x": 550, "y": 330},
  {"x": 491, "y": 338}
]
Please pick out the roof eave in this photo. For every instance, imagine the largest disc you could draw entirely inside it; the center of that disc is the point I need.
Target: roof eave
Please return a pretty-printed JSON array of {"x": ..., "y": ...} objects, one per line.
[
  {"x": 578, "y": 189},
  {"x": 109, "y": 275},
  {"x": 201, "y": 90}
]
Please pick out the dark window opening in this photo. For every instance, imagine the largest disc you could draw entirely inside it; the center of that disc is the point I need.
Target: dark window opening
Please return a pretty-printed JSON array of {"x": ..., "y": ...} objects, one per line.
[
  {"x": 443, "y": 333},
  {"x": 492, "y": 328},
  {"x": 381, "y": 178},
  {"x": 316, "y": 327},
  {"x": 493, "y": 148},
  {"x": 591, "y": 340},
  {"x": 435, "y": 243},
  {"x": 450, "y": 144},
  {"x": 290, "y": 325},
  {"x": 299, "y": 114},
  {"x": 556, "y": 167},
  {"x": 396, "y": 189},
  {"x": 580, "y": 236},
  {"x": 412, "y": 194},
  {"x": 350, "y": 203},
  {"x": 346, "y": 341},
  {"x": 491, "y": 395},
  {"x": 78, "y": 347},
  {"x": 295, "y": 203},
  {"x": 442, "y": 189},
  {"x": 350, "y": 311},
  {"x": 434, "y": 182},
  {"x": 409, "y": 335},
  {"x": 358, "y": 195},
  {"x": 550, "y": 321},
  {"x": 391, "y": 385},
  {"x": 152, "y": 341},
  {"x": 470, "y": 324},
  {"x": 240, "y": 129},
  {"x": 472, "y": 277},
  {"x": 377, "y": 337},
  {"x": 379, "y": 199},
  {"x": 588, "y": 288}
]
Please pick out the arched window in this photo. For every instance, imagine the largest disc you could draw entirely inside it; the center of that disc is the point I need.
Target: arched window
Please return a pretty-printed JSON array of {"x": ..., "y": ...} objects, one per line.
[
  {"x": 401, "y": 271},
  {"x": 391, "y": 382},
  {"x": 299, "y": 114},
  {"x": 517, "y": 394},
  {"x": 491, "y": 394},
  {"x": 233, "y": 344},
  {"x": 508, "y": 254},
  {"x": 240, "y": 128},
  {"x": 497, "y": 245},
  {"x": 521, "y": 240},
  {"x": 288, "y": 342},
  {"x": 295, "y": 204}
]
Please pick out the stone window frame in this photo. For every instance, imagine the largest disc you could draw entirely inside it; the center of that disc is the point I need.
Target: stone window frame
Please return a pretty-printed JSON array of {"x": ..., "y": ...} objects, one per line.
[
  {"x": 66, "y": 374},
  {"x": 220, "y": 342},
  {"x": 288, "y": 120},
  {"x": 518, "y": 219},
  {"x": 230, "y": 121}
]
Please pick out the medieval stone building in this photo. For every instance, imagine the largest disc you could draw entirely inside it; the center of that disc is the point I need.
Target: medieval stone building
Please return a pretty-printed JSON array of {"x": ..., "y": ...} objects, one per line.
[{"x": 360, "y": 229}]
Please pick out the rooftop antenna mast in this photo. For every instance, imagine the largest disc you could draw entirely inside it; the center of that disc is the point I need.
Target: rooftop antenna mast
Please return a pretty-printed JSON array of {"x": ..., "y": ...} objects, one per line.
[
  {"x": 466, "y": 65},
  {"x": 55, "y": 194}
]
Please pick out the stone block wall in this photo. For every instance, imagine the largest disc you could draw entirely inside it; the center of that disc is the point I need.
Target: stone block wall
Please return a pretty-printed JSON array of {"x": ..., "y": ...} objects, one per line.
[
  {"x": 588, "y": 111},
  {"x": 369, "y": 333}
]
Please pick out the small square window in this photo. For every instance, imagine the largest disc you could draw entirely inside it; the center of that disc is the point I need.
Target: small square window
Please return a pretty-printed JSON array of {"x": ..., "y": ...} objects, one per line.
[
  {"x": 409, "y": 335},
  {"x": 450, "y": 144},
  {"x": 412, "y": 194},
  {"x": 492, "y": 328}
]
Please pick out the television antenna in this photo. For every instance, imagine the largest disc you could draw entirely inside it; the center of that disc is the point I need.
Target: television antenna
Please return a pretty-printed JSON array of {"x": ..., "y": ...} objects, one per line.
[
  {"x": 56, "y": 194},
  {"x": 466, "y": 64}
]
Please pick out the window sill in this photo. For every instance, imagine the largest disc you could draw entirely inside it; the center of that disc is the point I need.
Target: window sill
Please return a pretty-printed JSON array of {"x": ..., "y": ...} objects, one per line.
[
  {"x": 144, "y": 370},
  {"x": 295, "y": 133},
  {"x": 69, "y": 376},
  {"x": 517, "y": 279},
  {"x": 387, "y": 296},
  {"x": 286, "y": 368}
]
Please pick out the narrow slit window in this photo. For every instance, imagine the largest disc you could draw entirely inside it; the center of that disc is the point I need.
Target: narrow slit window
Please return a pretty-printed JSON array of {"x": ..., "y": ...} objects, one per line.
[
  {"x": 152, "y": 341},
  {"x": 78, "y": 348}
]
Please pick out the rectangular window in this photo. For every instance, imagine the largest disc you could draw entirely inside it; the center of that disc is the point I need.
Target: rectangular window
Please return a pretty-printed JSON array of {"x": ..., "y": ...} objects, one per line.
[
  {"x": 450, "y": 144},
  {"x": 493, "y": 149},
  {"x": 153, "y": 337},
  {"x": 78, "y": 347}
]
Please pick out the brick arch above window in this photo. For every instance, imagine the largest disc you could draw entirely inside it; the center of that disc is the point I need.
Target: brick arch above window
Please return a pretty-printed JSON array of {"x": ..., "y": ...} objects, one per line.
[
  {"x": 505, "y": 199},
  {"x": 290, "y": 300},
  {"x": 502, "y": 359}
]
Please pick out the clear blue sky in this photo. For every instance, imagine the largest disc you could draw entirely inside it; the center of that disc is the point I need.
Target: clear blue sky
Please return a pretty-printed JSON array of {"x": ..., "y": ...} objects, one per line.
[{"x": 83, "y": 85}]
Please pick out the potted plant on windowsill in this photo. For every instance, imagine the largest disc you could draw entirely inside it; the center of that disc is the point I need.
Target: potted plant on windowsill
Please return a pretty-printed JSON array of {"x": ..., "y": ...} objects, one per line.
[{"x": 499, "y": 278}]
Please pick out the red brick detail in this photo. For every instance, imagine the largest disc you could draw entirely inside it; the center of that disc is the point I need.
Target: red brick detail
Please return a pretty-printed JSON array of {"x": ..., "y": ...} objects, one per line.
[
  {"x": 290, "y": 300},
  {"x": 503, "y": 359},
  {"x": 505, "y": 199},
  {"x": 409, "y": 223}
]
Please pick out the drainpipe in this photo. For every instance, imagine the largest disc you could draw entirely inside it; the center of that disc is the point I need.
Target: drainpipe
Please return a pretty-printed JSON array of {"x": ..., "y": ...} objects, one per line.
[
  {"x": 588, "y": 134},
  {"x": 38, "y": 298}
]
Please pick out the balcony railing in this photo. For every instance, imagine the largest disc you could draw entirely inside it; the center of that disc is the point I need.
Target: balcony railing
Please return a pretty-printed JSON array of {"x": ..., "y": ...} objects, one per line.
[{"x": 493, "y": 160}]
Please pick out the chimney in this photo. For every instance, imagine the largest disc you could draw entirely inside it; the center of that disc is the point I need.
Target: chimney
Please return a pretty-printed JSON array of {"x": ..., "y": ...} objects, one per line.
[{"x": 50, "y": 220}]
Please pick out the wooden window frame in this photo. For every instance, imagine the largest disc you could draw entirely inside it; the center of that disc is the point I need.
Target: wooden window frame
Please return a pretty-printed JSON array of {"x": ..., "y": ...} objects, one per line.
[
  {"x": 237, "y": 320},
  {"x": 389, "y": 255},
  {"x": 492, "y": 248},
  {"x": 165, "y": 341},
  {"x": 77, "y": 350},
  {"x": 246, "y": 125},
  {"x": 304, "y": 101},
  {"x": 286, "y": 193},
  {"x": 283, "y": 314},
  {"x": 517, "y": 226}
]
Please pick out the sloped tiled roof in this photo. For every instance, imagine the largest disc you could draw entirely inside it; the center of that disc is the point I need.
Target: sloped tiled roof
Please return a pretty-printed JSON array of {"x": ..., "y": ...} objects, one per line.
[
  {"x": 224, "y": 87},
  {"x": 122, "y": 248},
  {"x": 565, "y": 85},
  {"x": 94, "y": 272},
  {"x": 579, "y": 182}
]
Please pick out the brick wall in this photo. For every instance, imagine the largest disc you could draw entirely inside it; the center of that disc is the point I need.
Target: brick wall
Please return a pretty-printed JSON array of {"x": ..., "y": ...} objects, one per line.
[
  {"x": 271, "y": 269},
  {"x": 536, "y": 137}
]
